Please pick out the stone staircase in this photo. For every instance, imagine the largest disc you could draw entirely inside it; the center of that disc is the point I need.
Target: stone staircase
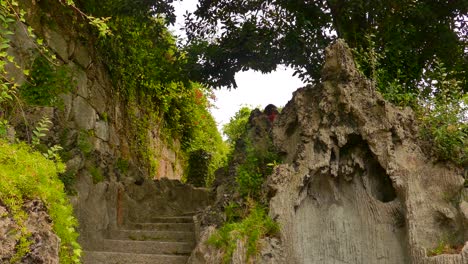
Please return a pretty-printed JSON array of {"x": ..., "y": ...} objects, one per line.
[{"x": 163, "y": 240}]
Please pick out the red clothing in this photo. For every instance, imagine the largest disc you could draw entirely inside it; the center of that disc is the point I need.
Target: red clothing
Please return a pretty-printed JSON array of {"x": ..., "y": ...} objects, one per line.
[{"x": 272, "y": 117}]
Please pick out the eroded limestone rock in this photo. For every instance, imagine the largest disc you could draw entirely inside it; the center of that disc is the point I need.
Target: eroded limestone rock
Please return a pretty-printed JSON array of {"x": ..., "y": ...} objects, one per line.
[{"x": 355, "y": 186}]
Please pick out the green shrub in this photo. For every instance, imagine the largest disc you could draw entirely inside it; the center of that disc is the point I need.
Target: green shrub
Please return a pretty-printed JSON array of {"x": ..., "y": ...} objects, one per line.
[
  {"x": 256, "y": 225},
  {"x": 233, "y": 212},
  {"x": 443, "y": 113},
  {"x": 198, "y": 167},
  {"x": 252, "y": 172},
  {"x": 27, "y": 174},
  {"x": 237, "y": 125},
  {"x": 440, "y": 102}
]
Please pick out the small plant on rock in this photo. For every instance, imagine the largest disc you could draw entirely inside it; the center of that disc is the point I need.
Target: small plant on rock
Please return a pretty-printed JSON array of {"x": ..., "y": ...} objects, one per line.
[{"x": 255, "y": 225}]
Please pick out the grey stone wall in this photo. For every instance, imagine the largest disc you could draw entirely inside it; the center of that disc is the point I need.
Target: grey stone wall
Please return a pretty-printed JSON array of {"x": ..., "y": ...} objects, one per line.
[{"x": 91, "y": 123}]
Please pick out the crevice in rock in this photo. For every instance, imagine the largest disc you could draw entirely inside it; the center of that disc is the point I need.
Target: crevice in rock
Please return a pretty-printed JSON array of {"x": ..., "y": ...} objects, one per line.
[
  {"x": 291, "y": 128},
  {"x": 356, "y": 159}
]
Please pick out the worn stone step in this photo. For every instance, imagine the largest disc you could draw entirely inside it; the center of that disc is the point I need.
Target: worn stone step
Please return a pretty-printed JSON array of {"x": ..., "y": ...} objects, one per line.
[
  {"x": 103, "y": 257},
  {"x": 144, "y": 247},
  {"x": 185, "y": 227},
  {"x": 144, "y": 235},
  {"x": 172, "y": 219}
]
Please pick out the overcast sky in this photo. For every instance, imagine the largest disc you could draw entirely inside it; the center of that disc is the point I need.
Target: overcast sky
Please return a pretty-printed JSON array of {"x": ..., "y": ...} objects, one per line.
[{"x": 254, "y": 89}]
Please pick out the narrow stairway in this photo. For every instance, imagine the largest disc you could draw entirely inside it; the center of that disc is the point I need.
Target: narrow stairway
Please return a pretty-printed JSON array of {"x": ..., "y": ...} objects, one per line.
[{"x": 163, "y": 240}]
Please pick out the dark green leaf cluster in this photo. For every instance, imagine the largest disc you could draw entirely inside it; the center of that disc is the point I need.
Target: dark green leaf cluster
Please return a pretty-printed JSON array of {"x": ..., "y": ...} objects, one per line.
[
  {"x": 141, "y": 9},
  {"x": 443, "y": 113},
  {"x": 46, "y": 83},
  {"x": 252, "y": 173},
  {"x": 201, "y": 139},
  {"x": 227, "y": 36}
]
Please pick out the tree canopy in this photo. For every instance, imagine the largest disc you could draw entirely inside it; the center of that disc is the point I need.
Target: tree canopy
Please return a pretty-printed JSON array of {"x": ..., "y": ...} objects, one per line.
[{"x": 227, "y": 36}]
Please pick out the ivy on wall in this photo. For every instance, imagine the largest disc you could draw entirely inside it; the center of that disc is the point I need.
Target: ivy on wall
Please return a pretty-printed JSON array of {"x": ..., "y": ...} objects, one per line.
[{"x": 148, "y": 73}]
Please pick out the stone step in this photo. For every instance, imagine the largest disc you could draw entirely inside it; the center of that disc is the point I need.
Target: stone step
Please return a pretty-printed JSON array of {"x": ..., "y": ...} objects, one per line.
[
  {"x": 172, "y": 219},
  {"x": 145, "y": 235},
  {"x": 184, "y": 227},
  {"x": 103, "y": 257},
  {"x": 144, "y": 247}
]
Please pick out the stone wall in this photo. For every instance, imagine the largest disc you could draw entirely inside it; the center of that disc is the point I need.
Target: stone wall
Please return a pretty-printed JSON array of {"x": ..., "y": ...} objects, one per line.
[{"x": 93, "y": 125}]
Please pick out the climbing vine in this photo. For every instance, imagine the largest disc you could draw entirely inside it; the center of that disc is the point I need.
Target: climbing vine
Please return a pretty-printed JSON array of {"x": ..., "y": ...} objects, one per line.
[
  {"x": 37, "y": 175},
  {"x": 148, "y": 73}
]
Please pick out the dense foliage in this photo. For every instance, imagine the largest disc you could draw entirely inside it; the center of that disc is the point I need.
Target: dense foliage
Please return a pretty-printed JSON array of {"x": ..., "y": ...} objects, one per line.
[
  {"x": 443, "y": 112},
  {"x": 237, "y": 125},
  {"x": 148, "y": 72},
  {"x": 26, "y": 174},
  {"x": 231, "y": 36},
  {"x": 247, "y": 219}
]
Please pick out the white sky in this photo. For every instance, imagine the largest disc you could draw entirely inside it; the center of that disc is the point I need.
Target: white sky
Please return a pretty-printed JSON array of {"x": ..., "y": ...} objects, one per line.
[{"x": 254, "y": 89}]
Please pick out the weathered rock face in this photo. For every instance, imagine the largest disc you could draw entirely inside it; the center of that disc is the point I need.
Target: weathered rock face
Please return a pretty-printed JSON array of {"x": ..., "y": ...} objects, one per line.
[
  {"x": 355, "y": 187},
  {"x": 45, "y": 244}
]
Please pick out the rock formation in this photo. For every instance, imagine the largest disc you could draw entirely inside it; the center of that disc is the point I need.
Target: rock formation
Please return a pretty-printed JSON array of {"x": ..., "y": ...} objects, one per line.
[
  {"x": 45, "y": 244},
  {"x": 355, "y": 185}
]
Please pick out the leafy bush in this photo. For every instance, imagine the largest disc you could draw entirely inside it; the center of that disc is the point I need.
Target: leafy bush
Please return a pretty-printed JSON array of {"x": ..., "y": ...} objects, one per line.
[
  {"x": 440, "y": 102},
  {"x": 201, "y": 134},
  {"x": 252, "y": 172},
  {"x": 388, "y": 75},
  {"x": 444, "y": 114},
  {"x": 27, "y": 174},
  {"x": 198, "y": 166},
  {"x": 255, "y": 225},
  {"x": 237, "y": 125}
]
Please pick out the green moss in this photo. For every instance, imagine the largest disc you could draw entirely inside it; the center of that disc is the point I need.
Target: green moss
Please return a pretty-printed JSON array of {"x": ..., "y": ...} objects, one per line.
[
  {"x": 122, "y": 165},
  {"x": 104, "y": 116},
  {"x": 26, "y": 175},
  {"x": 83, "y": 143},
  {"x": 444, "y": 247},
  {"x": 96, "y": 174}
]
